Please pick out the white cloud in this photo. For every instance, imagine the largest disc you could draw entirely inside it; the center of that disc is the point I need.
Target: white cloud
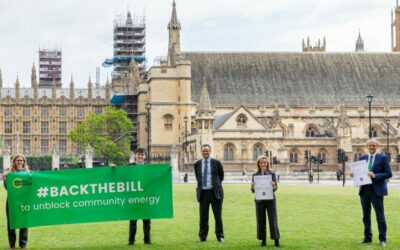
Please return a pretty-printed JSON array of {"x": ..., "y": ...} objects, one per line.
[{"x": 84, "y": 29}]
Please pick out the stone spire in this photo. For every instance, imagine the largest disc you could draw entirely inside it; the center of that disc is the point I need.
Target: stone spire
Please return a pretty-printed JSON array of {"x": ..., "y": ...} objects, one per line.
[
  {"x": 1, "y": 80},
  {"x": 359, "y": 43},
  {"x": 395, "y": 28},
  {"x": 204, "y": 102},
  {"x": 133, "y": 77},
  {"x": 34, "y": 83},
  {"x": 35, "y": 92},
  {"x": 174, "y": 23},
  {"x": 17, "y": 88},
  {"x": 71, "y": 90},
  {"x": 33, "y": 76},
  {"x": 204, "y": 119},
  {"x": 90, "y": 87},
  {"x": 107, "y": 90},
  {"x": 129, "y": 19},
  {"x": 53, "y": 90},
  {"x": 174, "y": 44}
]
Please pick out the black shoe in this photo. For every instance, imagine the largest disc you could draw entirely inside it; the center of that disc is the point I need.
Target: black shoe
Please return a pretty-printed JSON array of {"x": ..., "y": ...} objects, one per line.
[
  {"x": 200, "y": 240},
  {"x": 366, "y": 240},
  {"x": 131, "y": 243},
  {"x": 277, "y": 243},
  {"x": 263, "y": 243},
  {"x": 221, "y": 239},
  {"x": 147, "y": 242}
]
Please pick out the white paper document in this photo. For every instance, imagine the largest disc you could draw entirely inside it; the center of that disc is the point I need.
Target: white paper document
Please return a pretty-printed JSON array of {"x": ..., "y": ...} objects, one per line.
[
  {"x": 360, "y": 173},
  {"x": 263, "y": 187}
]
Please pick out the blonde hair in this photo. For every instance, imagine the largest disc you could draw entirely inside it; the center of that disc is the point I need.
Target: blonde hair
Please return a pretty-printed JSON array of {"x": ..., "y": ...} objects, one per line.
[
  {"x": 261, "y": 157},
  {"x": 13, "y": 167},
  {"x": 373, "y": 141}
]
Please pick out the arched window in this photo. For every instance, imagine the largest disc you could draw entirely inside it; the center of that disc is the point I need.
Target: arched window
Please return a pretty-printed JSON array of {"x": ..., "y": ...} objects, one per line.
[
  {"x": 311, "y": 132},
  {"x": 241, "y": 120},
  {"x": 193, "y": 127},
  {"x": 293, "y": 157},
  {"x": 257, "y": 151},
  {"x": 374, "y": 132},
  {"x": 228, "y": 152},
  {"x": 322, "y": 156},
  {"x": 168, "y": 118}
]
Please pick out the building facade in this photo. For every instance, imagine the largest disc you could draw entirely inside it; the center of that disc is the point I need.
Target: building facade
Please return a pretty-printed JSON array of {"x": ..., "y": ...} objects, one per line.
[
  {"x": 248, "y": 103},
  {"x": 37, "y": 120}
]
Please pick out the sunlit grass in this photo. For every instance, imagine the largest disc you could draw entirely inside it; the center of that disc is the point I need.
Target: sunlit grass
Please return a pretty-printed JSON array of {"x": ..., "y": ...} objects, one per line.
[{"x": 310, "y": 217}]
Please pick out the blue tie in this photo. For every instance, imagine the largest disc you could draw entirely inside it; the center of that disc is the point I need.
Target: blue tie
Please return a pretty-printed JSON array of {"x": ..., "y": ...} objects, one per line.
[{"x": 205, "y": 173}]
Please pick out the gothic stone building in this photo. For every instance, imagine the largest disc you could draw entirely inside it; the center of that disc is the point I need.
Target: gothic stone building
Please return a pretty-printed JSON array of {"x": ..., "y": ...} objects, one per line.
[
  {"x": 246, "y": 103},
  {"x": 37, "y": 120}
]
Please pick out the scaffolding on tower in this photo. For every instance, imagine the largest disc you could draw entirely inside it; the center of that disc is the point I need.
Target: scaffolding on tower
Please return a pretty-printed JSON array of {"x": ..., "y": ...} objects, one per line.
[
  {"x": 129, "y": 44},
  {"x": 49, "y": 67}
]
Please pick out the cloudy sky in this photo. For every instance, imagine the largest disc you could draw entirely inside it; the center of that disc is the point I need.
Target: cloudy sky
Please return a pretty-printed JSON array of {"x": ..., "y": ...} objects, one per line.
[{"x": 83, "y": 29}]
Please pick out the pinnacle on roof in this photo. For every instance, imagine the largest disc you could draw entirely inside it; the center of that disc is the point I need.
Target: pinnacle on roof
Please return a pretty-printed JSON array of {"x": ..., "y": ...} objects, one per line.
[
  {"x": 33, "y": 67},
  {"x": 17, "y": 82},
  {"x": 359, "y": 39},
  {"x": 359, "y": 43},
  {"x": 129, "y": 19},
  {"x": 174, "y": 23},
  {"x": 71, "y": 82},
  {"x": 204, "y": 102}
]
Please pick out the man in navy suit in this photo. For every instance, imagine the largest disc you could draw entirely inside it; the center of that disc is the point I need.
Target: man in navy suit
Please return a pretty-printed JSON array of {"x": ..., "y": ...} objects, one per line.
[
  {"x": 140, "y": 159},
  {"x": 209, "y": 175},
  {"x": 379, "y": 171}
]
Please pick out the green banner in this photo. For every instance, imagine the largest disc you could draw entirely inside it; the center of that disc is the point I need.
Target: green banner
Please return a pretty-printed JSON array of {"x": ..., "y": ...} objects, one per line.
[{"x": 89, "y": 195}]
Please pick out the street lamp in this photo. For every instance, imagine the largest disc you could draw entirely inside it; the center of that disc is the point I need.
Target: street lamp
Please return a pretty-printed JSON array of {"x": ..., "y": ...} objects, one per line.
[
  {"x": 369, "y": 98},
  {"x": 387, "y": 119},
  {"x": 148, "y": 107},
  {"x": 185, "y": 119}
]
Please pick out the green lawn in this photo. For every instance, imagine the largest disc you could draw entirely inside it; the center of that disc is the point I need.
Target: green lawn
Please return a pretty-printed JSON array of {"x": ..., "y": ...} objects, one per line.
[{"x": 310, "y": 217}]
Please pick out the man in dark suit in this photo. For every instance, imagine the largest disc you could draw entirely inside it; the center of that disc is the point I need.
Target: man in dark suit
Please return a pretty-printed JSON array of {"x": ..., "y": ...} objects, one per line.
[
  {"x": 209, "y": 175},
  {"x": 380, "y": 172},
  {"x": 140, "y": 157}
]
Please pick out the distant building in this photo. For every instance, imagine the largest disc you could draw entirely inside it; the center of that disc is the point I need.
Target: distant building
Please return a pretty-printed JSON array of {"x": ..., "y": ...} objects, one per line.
[
  {"x": 129, "y": 45},
  {"x": 307, "y": 47},
  {"x": 245, "y": 104},
  {"x": 35, "y": 120},
  {"x": 49, "y": 68}
]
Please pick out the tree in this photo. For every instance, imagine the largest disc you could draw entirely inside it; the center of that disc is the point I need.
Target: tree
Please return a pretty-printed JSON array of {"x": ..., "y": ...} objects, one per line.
[{"x": 109, "y": 135}]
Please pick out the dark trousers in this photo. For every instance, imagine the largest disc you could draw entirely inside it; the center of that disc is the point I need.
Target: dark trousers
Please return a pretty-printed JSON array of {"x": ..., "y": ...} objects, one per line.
[
  {"x": 133, "y": 228},
  {"x": 207, "y": 198},
  {"x": 12, "y": 236},
  {"x": 270, "y": 207},
  {"x": 369, "y": 197}
]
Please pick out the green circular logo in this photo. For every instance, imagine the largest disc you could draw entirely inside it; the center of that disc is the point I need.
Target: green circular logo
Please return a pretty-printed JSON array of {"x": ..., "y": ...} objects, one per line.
[{"x": 17, "y": 183}]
